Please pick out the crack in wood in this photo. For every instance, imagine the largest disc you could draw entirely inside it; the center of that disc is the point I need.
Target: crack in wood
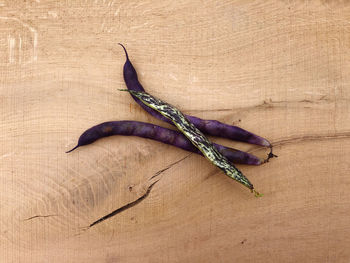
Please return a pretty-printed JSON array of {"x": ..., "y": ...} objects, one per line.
[
  {"x": 267, "y": 104},
  {"x": 141, "y": 198},
  {"x": 169, "y": 166},
  {"x": 297, "y": 139},
  {"x": 340, "y": 135},
  {"x": 38, "y": 216},
  {"x": 124, "y": 207}
]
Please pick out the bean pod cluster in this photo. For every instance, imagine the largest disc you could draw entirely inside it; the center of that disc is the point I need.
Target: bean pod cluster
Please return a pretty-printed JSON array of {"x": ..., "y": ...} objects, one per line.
[{"x": 190, "y": 135}]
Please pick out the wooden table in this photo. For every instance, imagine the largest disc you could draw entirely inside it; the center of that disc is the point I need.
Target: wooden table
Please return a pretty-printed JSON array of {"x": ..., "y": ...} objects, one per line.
[{"x": 277, "y": 68}]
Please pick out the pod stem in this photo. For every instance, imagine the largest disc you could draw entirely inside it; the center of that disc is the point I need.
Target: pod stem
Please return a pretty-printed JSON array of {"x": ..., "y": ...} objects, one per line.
[
  {"x": 256, "y": 193},
  {"x": 270, "y": 155}
]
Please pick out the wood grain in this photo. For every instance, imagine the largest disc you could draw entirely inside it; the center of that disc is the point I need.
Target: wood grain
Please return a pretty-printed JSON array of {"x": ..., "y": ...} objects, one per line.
[{"x": 277, "y": 68}]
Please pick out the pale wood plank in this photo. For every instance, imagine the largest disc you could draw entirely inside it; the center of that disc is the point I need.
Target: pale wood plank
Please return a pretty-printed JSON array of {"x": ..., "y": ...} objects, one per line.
[{"x": 277, "y": 68}]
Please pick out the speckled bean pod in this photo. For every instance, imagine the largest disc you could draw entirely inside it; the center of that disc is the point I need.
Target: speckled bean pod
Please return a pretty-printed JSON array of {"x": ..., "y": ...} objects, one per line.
[{"x": 196, "y": 137}]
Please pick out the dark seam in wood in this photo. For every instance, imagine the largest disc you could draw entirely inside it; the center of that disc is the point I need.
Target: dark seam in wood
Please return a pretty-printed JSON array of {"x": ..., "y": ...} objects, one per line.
[
  {"x": 37, "y": 216},
  {"x": 296, "y": 139},
  {"x": 127, "y": 206},
  {"x": 311, "y": 138},
  {"x": 169, "y": 166}
]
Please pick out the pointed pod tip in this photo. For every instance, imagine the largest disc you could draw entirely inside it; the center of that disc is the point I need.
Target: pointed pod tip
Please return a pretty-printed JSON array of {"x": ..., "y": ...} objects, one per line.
[
  {"x": 126, "y": 53},
  {"x": 73, "y": 149}
]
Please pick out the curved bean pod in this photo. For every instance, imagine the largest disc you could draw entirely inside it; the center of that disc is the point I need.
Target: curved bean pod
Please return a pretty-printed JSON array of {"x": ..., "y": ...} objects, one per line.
[
  {"x": 210, "y": 127},
  {"x": 164, "y": 135},
  {"x": 195, "y": 136}
]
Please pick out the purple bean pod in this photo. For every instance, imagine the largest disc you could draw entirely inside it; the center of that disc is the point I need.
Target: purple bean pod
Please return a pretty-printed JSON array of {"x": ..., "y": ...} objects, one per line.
[
  {"x": 164, "y": 135},
  {"x": 211, "y": 127}
]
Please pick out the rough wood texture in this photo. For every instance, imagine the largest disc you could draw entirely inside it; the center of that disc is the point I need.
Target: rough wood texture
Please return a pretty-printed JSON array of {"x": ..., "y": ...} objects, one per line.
[{"x": 277, "y": 68}]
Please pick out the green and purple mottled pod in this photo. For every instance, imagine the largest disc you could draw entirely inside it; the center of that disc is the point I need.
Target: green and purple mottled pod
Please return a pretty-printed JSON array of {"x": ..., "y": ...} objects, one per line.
[
  {"x": 210, "y": 127},
  {"x": 196, "y": 137},
  {"x": 164, "y": 135}
]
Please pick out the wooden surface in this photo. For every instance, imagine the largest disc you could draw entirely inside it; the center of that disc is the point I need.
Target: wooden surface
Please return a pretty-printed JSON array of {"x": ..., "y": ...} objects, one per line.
[{"x": 277, "y": 68}]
